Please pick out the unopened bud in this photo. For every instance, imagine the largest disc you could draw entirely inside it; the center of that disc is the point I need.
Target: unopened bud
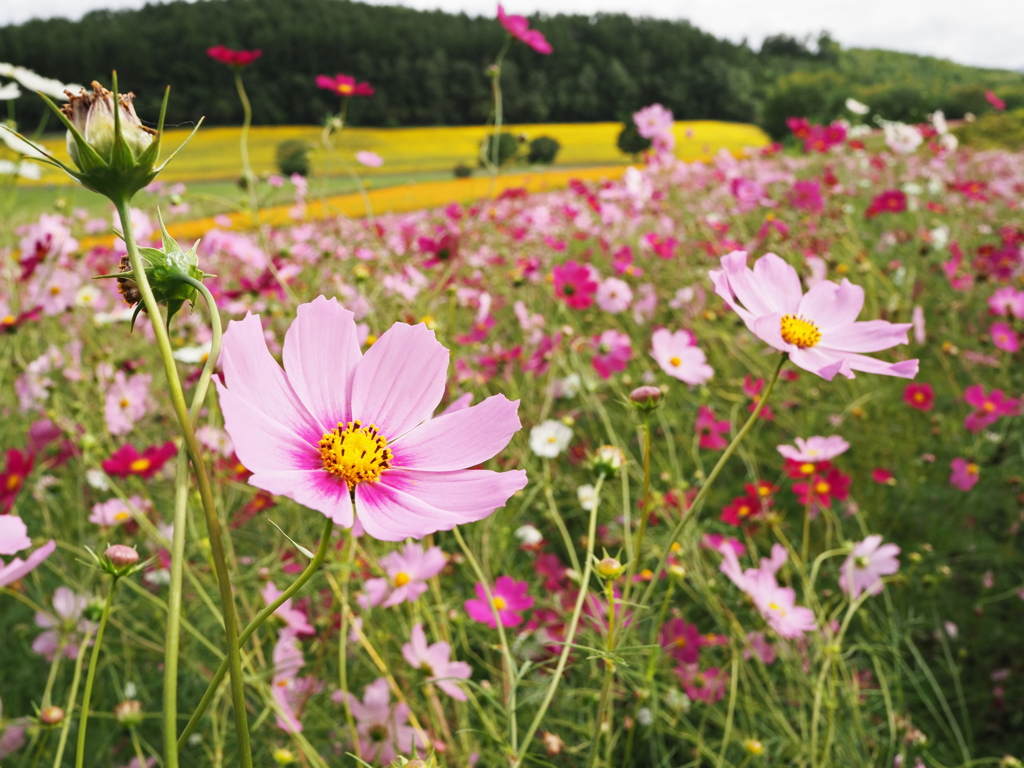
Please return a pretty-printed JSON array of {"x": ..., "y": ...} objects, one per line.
[
  {"x": 284, "y": 756},
  {"x": 93, "y": 610},
  {"x": 129, "y": 713},
  {"x": 121, "y": 556},
  {"x": 610, "y": 568},
  {"x": 646, "y": 398},
  {"x": 753, "y": 747},
  {"x": 51, "y": 715},
  {"x": 608, "y": 460}
]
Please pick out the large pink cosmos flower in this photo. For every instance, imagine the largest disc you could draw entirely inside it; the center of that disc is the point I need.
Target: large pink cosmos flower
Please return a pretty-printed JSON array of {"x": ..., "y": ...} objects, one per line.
[
  {"x": 519, "y": 28},
  {"x": 817, "y": 329},
  {"x": 346, "y": 433}
]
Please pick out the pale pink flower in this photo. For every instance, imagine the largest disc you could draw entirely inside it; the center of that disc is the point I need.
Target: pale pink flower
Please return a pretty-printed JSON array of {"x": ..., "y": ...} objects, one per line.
[
  {"x": 383, "y": 729},
  {"x": 407, "y": 574},
  {"x": 818, "y": 329},
  {"x": 614, "y": 295},
  {"x": 1007, "y": 301},
  {"x": 127, "y": 401},
  {"x": 13, "y": 535},
  {"x": 775, "y": 603},
  {"x": 286, "y": 687},
  {"x": 19, "y": 569},
  {"x": 295, "y": 621},
  {"x": 869, "y": 561},
  {"x": 114, "y": 512},
  {"x": 814, "y": 449},
  {"x": 56, "y": 289},
  {"x": 613, "y": 353},
  {"x": 369, "y": 159},
  {"x": 337, "y": 423},
  {"x": 435, "y": 661},
  {"x": 679, "y": 357},
  {"x": 653, "y": 121},
  {"x": 509, "y": 598},
  {"x": 66, "y": 620},
  {"x": 12, "y": 737}
]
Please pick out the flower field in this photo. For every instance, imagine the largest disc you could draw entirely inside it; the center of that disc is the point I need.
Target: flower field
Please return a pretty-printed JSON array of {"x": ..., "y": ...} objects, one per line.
[{"x": 710, "y": 464}]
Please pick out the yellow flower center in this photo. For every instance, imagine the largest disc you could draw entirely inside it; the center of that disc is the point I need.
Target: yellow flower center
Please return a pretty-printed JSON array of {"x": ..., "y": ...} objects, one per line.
[
  {"x": 13, "y": 481},
  {"x": 121, "y": 516},
  {"x": 799, "y": 332},
  {"x": 806, "y": 468},
  {"x": 140, "y": 465},
  {"x": 401, "y": 579},
  {"x": 679, "y": 642},
  {"x": 499, "y": 603},
  {"x": 989, "y": 406},
  {"x": 54, "y": 290},
  {"x": 823, "y": 487},
  {"x": 124, "y": 402},
  {"x": 777, "y": 608},
  {"x": 9, "y": 320},
  {"x": 355, "y": 454},
  {"x": 675, "y": 362},
  {"x": 972, "y": 469}
]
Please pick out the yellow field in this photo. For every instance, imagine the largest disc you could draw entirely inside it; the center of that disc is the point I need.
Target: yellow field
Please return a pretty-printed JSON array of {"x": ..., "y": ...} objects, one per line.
[{"x": 214, "y": 152}]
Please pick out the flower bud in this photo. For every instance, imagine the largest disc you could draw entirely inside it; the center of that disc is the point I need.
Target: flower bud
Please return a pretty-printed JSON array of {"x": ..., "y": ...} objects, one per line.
[
  {"x": 646, "y": 398},
  {"x": 51, "y": 715},
  {"x": 121, "y": 556},
  {"x": 610, "y": 568},
  {"x": 284, "y": 756},
  {"x": 129, "y": 713},
  {"x": 753, "y": 747},
  {"x": 92, "y": 114},
  {"x": 93, "y": 610},
  {"x": 608, "y": 460}
]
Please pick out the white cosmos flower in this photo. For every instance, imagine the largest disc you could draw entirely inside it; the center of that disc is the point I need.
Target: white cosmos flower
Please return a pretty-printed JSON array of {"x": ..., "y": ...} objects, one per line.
[
  {"x": 550, "y": 438},
  {"x": 857, "y": 107}
]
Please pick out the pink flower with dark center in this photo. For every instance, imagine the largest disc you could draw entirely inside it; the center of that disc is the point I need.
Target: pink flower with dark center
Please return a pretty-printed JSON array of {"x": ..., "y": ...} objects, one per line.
[
  {"x": 295, "y": 621},
  {"x": 235, "y": 59},
  {"x": 679, "y": 357},
  {"x": 707, "y": 685},
  {"x": 818, "y": 330},
  {"x": 344, "y": 85},
  {"x": 383, "y": 729},
  {"x": 711, "y": 430},
  {"x": 814, "y": 449},
  {"x": 351, "y": 434},
  {"x": 869, "y": 561},
  {"x": 508, "y": 597},
  {"x": 919, "y": 396},
  {"x": 519, "y": 28},
  {"x": 1004, "y": 337},
  {"x": 613, "y": 353},
  {"x": 965, "y": 473},
  {"x": 435, "y": 661},
  {"x": 681, "y": 640},
  {"x": 1007, "y": 301},
  {"x": 988, "y": 409},
  {"x": 573, "y": 284},
  {"x": 407, "y": 574}
]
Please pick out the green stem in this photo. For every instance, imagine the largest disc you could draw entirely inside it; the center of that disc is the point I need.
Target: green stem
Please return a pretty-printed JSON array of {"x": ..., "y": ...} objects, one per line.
[
  {"x": 498, "y": 116},
  {"x": 173, "y": 639},
  {"x": 262, "y": 616},
  {"x": 69, "y": 710},
  {"x": 177, "y": 398},
  {"x": 570, "y": 634},
  {"x": 645, "y": 514},
  {"x": 90, "y": 678}
]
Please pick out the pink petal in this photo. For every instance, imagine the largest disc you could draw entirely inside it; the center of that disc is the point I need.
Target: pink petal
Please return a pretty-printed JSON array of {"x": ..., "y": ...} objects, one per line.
[
  {"x": 13, "y": 535},
  {"x": 459, "y": 439},
  {"x": 400, "y": 380},
  {"x": 777, "y": 283},
  {"x": 829, "y": 305},
  {"x": 321, "y": 352},
  {"x": 18, "y": 568},
  {"x": 264, "y": 444},
  {"x": 389, "y": 514},
  {"x": 315, "y": 489},
  {"x": 470, "y": 493},
  {"x": 905, "y": 369},
  {"x": 869, "y": 336},
  {"x": 824, "y": 362}
]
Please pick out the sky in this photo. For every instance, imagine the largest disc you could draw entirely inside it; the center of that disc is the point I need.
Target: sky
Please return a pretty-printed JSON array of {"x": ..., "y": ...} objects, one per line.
[{"x": 979, "y": 32}]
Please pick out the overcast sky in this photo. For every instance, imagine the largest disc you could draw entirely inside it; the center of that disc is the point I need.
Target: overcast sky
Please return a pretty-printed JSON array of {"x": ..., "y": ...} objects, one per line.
[{"x": 980, "y": 32}]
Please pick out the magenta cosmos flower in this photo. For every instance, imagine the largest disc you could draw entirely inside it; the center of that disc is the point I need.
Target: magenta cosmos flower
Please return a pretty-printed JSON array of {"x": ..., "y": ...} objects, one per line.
[
  {"x": 351, "y": 434},
  {"x": 509, "y": 598},
  {"x": 519, "y": 28},
  {"x": 817, "y": 329}
]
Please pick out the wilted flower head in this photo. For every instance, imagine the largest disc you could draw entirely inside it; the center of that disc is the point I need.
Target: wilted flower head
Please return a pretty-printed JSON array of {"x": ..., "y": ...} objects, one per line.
[{"x": 93, "y": 115}]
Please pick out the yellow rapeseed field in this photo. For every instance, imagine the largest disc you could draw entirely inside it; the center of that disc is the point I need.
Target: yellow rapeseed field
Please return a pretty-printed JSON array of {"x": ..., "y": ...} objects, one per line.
[{"x": 213, "y": 154}]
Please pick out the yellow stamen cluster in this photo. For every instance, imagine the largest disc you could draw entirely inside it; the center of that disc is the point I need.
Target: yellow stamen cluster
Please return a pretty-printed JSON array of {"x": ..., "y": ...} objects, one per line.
[
  {"x": 799, "y": 331},
  {"x": 355, "y": 454}
]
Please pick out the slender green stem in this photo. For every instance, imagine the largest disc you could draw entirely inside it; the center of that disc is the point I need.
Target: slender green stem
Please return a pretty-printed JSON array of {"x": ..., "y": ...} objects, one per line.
[
  {"x": 570, "y": 633},
  {"x": 69, "y": 710},
  {"x": 173, "y": 638},
  {"x": 177, "y": 398},
  {"x": 495, "y": 157},
  {"x": 645, "y": 514},
  {"x": 90, "y": 678},
  {"x": 262, "y": 616}
]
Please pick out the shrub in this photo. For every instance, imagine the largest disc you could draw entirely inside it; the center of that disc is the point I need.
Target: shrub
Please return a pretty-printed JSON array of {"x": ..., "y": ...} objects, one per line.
[
  {"x": 543, "y": 150},
  {"x": 293, "y": 157},
  {"x": 818, "y": 96},
  {"x": 630, "y": 141},
  {"x": 508, "y": 148},
  {"x": 463, "y": 171},
  {"x": 996, "y": 130}
]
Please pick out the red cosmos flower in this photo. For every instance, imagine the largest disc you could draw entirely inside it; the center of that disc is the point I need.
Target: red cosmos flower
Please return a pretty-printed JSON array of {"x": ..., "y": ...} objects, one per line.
[
  {"x": 803, "y": 469},
  {"x": 236, "y": 59},
  {"x": 573, "y": 283},
  {"x": 800, "y": 126},
  {"x": 821, "y": 489},
  {"x": 711, "y": 430},
  {"x": 519, "y": 28},
  {"x": 740, "y": 511},
  {"x": 995, "y": 101},
  {"x": 343, "y": 85},
  {"x": 128, "y": 461},
  {"x": 12, "y": 480},
  {"x": 890, "y": 201},
  {"x": 806, "y": 196},
  {"x": 920, "y": 396}
]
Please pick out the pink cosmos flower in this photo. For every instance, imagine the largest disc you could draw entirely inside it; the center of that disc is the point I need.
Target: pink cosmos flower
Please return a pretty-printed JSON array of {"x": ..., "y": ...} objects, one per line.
[
  {"x": 869, "y": 561},
  {"x": 435, "y": 661},
  {"x": 1007, "y": 301},
  {"x": 679, "y": 357},
  {"x": 233, "y": 58},
  {"x": 707, "y": 685},
  {"x": 776, "y": 604},
  {"x": 814, "y": 449},
  {"x": 805, "y": 195},
  {"x": 988, "y": 409},
  {"x": 711, "y": 430},
  {"x": 66, "y": 620},
  {"x": 818, "y": 329},
  {"x": 407, "y": 573},
  {"x": 19, "y": 569},
  {"x": 127, "y": 401},
  {"x": 653, "y": 120},
  {"x": 681, "y": 640},
  {"x": 126, "y": 460},
  {"x": 919, "y": 396},
  {"x": 519, "y": 28},
  {"x": 383, "y": 729},
  {"x": 1004, "y": 337},
  {"x": 13, "y": 535},
  {"x": 295, "y": 621},
  {"x": 613, "y": 353},
  {"x": 344, "y": 85},
  {"x": 337, "y": 425},
  {"x": 114, "y": 512},
  {"x": 965, "y": 473},
  {"x": 509, "y": 598},
  {"x": 890, "y": 201},
  {"x": 290, "y": 691},
  {"x": 614, "y": 295},
  {"x": 369, "y": 159},
  {"x": 573, "y": 283}
]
